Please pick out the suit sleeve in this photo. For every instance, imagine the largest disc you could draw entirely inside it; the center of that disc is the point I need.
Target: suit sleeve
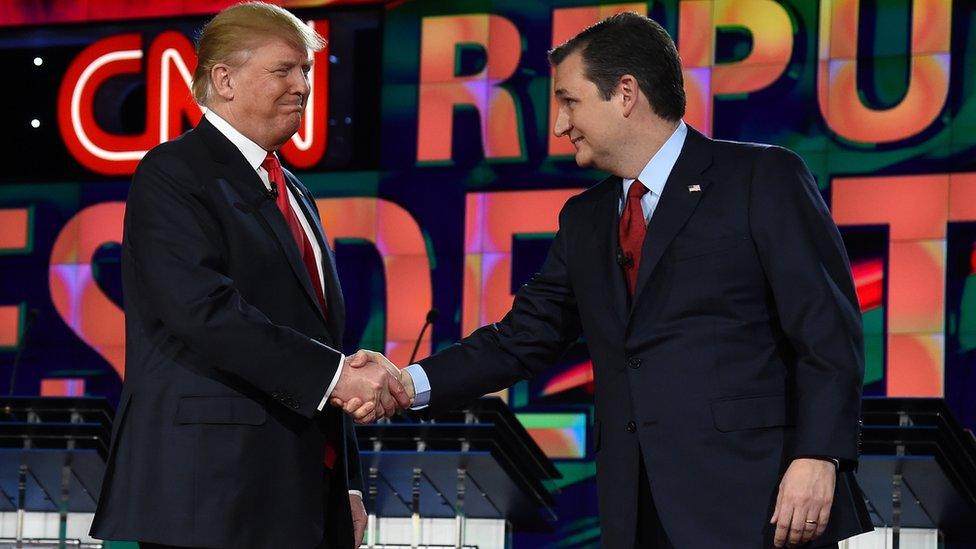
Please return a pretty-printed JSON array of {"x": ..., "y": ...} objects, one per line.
[
  {"x": 808, "y": 272},
  {"x": 543, "y": 322},
  {"x": 176, "y": 253}
]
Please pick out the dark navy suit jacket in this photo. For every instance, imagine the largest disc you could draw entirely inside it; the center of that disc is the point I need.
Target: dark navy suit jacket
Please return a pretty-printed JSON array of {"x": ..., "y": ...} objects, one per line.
[
  {"x": 217, "y": 441},
  {"x": 741, "y": 351}
]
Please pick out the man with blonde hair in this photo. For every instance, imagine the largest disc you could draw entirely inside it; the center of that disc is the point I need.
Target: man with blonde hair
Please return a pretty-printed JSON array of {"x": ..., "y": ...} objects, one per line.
[{"x": 234, "y": 320}]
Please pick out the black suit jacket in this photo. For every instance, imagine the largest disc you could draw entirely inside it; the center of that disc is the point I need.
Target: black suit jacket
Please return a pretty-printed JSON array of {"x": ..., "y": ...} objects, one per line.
[
  {"x": 741, "y": 351},
  {"x": 217, "y": 441}
]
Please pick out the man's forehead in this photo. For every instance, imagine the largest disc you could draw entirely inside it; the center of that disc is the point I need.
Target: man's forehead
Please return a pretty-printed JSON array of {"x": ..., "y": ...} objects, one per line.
[
  {"x": 568, "y": 79},
  {"x": 570, "y": 66}
]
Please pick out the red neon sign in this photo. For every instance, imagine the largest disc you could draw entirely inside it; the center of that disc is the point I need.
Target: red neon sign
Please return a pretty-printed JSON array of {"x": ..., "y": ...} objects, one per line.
[{"x": 168, "y": 65}]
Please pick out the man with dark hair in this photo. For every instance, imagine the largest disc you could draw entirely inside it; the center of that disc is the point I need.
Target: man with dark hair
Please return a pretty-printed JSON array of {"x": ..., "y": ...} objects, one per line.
[
  {"x": 630, "y": 44},
  {"x": 716, "y": 299},
  {"x": 234, "y": 316}
]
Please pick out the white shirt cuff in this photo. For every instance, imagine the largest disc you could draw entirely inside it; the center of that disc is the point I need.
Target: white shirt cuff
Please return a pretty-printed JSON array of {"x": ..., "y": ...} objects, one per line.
[
  {"x": 356, "y": 493},
  {"x": 335, "y": 380},
  {"x": 421, "y": 386}
]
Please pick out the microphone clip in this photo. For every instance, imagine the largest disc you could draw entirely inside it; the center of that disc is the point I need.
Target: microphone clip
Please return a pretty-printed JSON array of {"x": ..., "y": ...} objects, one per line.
[{"x": 625, "y": 259}]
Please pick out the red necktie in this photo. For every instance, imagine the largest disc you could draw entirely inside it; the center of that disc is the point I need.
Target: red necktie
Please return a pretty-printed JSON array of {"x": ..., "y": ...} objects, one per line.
[
  {"x": 277, "y": 179},
  {"x": 632, "y": 231}
]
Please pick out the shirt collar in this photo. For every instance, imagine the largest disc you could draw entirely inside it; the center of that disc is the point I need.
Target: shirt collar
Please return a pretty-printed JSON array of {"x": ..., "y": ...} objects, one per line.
[
  {"x": 253, "y": 153},
  {"x": 658, "y": 168}
]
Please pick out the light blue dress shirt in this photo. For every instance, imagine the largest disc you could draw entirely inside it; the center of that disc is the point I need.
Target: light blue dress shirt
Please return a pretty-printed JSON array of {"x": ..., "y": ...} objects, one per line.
[{"x": 654, "y": 175}]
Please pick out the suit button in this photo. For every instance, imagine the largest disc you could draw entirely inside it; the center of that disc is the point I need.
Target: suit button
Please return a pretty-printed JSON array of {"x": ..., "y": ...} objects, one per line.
[
  {"x": 631, "y": 427},
  {"x": 634, "y": 362}
]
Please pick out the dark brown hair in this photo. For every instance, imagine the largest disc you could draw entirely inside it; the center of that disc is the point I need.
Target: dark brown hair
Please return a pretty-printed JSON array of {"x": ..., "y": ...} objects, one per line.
[{"x": 628, "y": 43}]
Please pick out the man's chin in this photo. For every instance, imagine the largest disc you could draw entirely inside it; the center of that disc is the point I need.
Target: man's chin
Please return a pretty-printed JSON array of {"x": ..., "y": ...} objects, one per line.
[
  {"x": 584, "y": 160},
  {"x": 285, "y": 134}
]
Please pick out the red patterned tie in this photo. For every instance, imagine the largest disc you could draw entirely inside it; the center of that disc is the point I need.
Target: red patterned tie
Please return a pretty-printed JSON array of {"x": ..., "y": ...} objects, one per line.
[
  {"x": 277, "y": 178},
  {"x": 632, "y": 231}
]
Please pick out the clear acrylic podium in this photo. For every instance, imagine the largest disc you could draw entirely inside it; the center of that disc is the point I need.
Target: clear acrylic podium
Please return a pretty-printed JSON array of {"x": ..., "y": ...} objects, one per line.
[
  {"x": 467, "y": 478},
  {"x": 52, "y": 458},
  {"x": 918, "y": 474}
]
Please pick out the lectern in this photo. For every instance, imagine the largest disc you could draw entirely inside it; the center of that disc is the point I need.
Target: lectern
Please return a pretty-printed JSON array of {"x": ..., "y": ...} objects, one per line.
[
  {"x": 465, "y": 478},
  {"x": 918, "y": 471},
  {"x": 52, "y": 458}
]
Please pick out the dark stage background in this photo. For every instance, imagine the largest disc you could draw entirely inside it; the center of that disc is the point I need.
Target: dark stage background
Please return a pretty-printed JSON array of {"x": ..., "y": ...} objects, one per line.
[{"x": 428, "y": 145}]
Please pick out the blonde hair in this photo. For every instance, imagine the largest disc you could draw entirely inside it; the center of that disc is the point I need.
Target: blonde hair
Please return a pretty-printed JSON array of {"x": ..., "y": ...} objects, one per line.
[{"x": 229, "y": 36}]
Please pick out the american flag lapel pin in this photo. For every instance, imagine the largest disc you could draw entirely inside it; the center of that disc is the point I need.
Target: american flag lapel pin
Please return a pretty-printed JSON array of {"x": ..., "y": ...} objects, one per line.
[{"x": 694, "y": 188}]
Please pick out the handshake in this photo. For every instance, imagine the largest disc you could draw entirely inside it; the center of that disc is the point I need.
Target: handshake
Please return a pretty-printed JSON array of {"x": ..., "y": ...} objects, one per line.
[{"x": 371, "y": 387}]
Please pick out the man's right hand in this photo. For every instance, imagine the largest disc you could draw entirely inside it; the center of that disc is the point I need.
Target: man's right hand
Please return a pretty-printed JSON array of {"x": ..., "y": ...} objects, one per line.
[
  {"x": 368, "y": 390},
  {"x": 363, "y": 411}
]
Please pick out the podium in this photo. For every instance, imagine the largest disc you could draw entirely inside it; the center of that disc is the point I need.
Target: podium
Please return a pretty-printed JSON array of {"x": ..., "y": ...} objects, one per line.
[
  {"x": 468, "y": 477},
  {"x": 918, "y": 472},
  {"x": 52, "y": 459}
]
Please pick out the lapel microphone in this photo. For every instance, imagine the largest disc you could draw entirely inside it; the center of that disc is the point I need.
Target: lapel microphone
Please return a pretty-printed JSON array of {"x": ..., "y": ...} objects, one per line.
[
  {"x": 625, "y": 260},
  {"x": 271, "y": 193}
]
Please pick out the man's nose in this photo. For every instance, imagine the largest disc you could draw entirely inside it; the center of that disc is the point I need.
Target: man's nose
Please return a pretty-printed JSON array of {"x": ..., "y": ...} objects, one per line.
[
  {"x": 301, "y": 84},
  {"x": 562, "y": 126}
]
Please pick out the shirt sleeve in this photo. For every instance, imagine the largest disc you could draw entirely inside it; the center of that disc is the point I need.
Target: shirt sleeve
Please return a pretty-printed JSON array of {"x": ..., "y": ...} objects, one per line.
[
  {"x": 421, "y": 386},
  {"x": 335, "y": 379}
]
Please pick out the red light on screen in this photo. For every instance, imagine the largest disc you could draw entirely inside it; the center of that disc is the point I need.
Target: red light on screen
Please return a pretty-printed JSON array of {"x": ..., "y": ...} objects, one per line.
[
  {"x": 63, "y": 387},
  {"x": 14, "y": 224},
  {"x": 868, "y": 282},
  {"x": 9, "y": 326},
  {"x": 579, "y": 375},
  {"x": 14, "y": 238},
  {"x": 557, "y": 443}
]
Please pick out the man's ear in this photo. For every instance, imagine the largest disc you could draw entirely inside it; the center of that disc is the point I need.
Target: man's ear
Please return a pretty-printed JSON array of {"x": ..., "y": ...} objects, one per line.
[
  {"x": 222, "y": 81},
  {"x": 628, "y": 90}
]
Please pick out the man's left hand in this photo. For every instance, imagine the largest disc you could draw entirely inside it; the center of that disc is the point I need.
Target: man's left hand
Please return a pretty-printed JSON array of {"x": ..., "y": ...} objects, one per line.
[
  {"x": 803, "y": 504},
  {"x": 359, "y": 518}
]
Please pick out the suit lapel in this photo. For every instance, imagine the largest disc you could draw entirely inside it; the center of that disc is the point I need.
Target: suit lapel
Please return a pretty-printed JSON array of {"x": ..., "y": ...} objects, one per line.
[
  {"x": 333, "y": 292},
  {"x": 279, "y": 228},
  {"x": 250, "y": 187},
  {"x": 605, "y": 221},
  {"x": 682, "y": 192}
]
